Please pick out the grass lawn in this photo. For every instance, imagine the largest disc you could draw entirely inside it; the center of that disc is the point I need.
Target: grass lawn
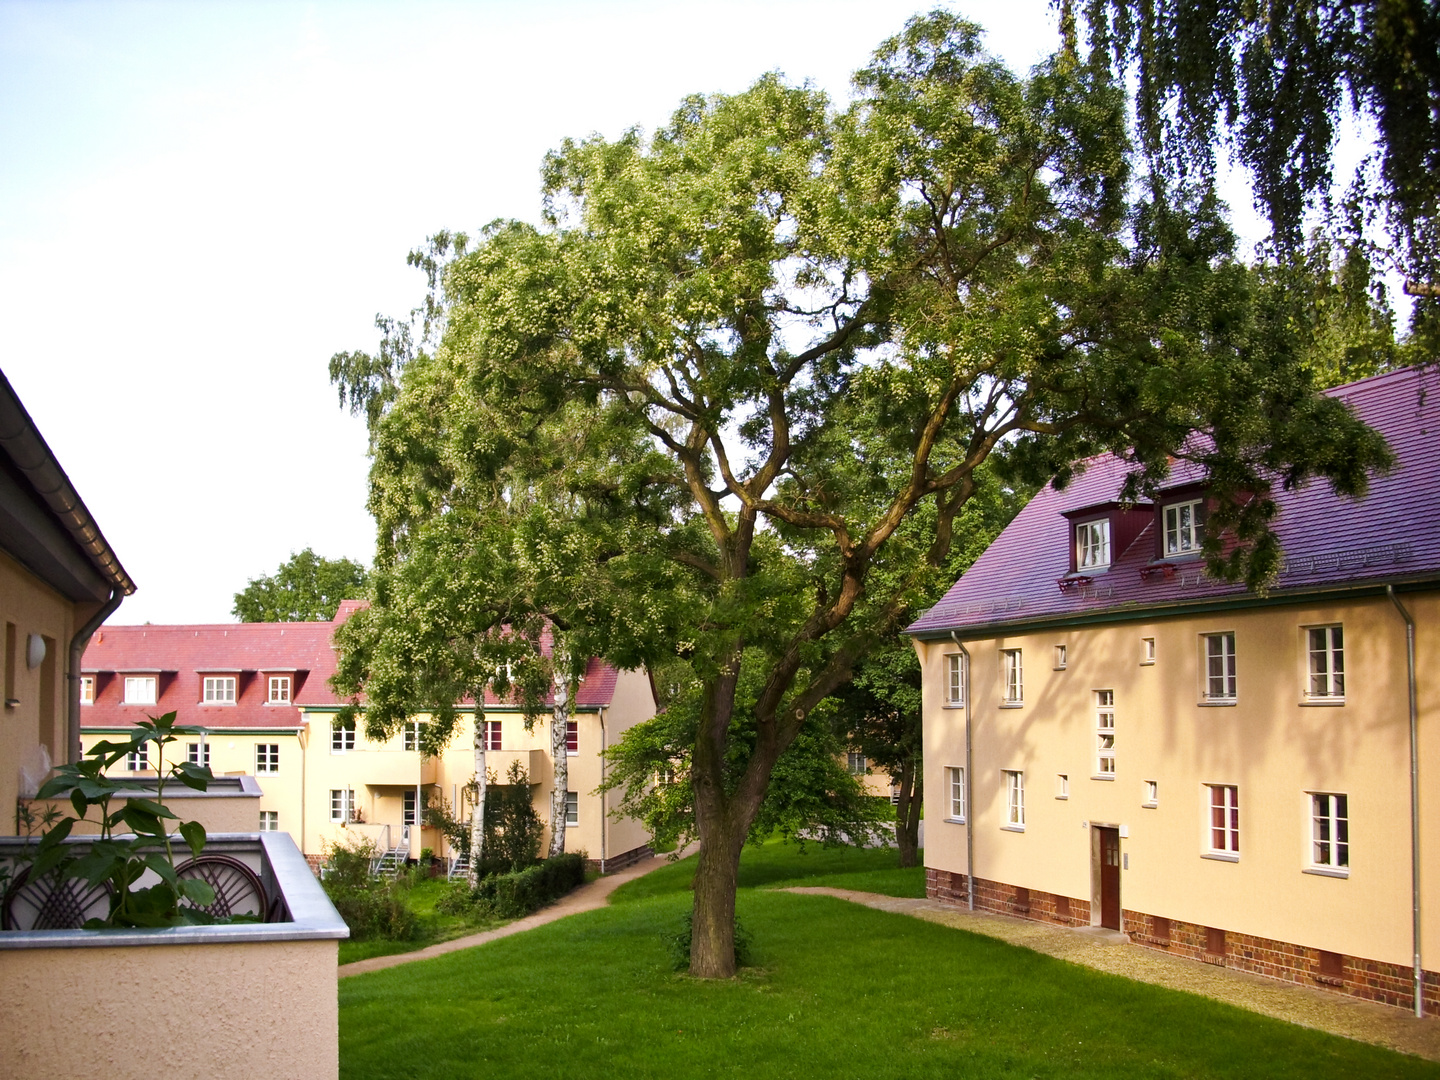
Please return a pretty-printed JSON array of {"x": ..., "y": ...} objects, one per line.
[{"x": 839, "y": 990}]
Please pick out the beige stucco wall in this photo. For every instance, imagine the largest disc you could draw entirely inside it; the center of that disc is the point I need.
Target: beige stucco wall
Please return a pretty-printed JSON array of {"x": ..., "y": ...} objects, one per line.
[
  {"x": 41, "y": 717},
  {"x": 237, "y": 1011},
  {"x": 1269, "y": 744},
  {"x": 232, "y": 753}
]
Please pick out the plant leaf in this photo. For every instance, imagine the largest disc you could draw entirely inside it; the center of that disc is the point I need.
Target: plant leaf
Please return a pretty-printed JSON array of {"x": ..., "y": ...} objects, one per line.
[
  {"x": 194, "y": 834},
  {"x": 198, "y": 892}
]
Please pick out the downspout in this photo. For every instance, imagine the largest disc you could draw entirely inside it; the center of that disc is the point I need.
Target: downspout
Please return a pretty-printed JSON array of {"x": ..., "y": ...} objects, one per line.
[
  {"x": 72, "y": 674},
  {"x": 604, "y": 795},
  {"x": 969, "y": 784},
  {"x": 302, "y": 738},
  {"x": 1419, "y": 988}
]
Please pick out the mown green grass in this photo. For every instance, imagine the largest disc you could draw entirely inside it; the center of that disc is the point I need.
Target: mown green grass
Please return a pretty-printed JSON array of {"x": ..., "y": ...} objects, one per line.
[
  {"x": 778, "y": 865},
  {"x": 838, "y": 990}
]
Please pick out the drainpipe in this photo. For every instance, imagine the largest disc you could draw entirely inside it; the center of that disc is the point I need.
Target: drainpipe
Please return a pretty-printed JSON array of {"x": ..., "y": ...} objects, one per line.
[
  {"x": 603, "y": 794},
  {"x": 1414, "y": 799},
  {"x": 302, "y": 739},
  {"x": 72, "y": 675},
  {"x": 969, "y": 784}
]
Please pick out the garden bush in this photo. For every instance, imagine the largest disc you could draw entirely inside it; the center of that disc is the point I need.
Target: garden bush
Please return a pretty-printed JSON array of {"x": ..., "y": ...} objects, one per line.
[
  {"x": 371, "y": 907},
  {"x": 512, "y": 895}
]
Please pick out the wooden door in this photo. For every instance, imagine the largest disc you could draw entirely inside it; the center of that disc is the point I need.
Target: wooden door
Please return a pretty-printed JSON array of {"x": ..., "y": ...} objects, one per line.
[{"x": 1110, "y": 878}]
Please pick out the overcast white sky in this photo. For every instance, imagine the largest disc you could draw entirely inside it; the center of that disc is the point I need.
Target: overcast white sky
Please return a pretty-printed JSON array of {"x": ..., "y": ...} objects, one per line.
[{"x": 200, "y": 203}]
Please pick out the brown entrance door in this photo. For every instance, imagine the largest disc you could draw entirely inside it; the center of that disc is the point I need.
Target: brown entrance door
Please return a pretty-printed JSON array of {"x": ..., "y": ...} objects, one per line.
[{"x": 1110, "y": 878}]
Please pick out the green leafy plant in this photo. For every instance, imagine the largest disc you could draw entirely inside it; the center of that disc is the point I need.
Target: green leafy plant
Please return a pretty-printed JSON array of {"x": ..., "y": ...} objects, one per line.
[
  {"x": 371, "y": 907},
  {"x": 120, "y": 859},
  {"x": 679, "y": 945}
]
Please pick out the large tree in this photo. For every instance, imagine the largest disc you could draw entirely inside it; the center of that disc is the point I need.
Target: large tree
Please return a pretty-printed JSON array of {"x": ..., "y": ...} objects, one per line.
[
  {"x": 305, "y": 588},
  {"x": 801, "y": 330}
]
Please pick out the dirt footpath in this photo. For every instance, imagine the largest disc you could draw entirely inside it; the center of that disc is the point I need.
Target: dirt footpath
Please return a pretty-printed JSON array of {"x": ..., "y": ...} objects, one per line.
[{"x": 1365, "y": 1021}]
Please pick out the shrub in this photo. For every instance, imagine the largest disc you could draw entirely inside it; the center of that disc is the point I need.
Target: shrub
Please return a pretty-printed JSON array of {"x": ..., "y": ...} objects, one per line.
[
  {"x": 377, "y": 911},
  {"x": 680, "y": 944},
  {"x": 513, "y": 895}
]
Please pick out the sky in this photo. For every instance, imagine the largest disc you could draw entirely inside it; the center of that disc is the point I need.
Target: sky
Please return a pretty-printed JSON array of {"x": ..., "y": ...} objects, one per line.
[{"x": 201, "y": 203}]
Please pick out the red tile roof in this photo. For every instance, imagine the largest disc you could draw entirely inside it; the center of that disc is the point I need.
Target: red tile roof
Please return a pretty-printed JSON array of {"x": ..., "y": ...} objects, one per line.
[
  {"x": 1393, "y": 533},
  {"x": 183, "y": 655}
]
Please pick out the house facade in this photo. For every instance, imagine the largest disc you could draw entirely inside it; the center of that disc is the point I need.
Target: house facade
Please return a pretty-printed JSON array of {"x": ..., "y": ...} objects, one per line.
[
  {"x": 260, "y": 694},
  {"x": 1115, "y": 739}
]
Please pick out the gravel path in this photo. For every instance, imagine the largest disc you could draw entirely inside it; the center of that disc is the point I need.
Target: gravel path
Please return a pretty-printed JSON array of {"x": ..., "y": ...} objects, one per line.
[
  {"x": 588, "y": 897},
  {"x": 1365, "y": 1021}
]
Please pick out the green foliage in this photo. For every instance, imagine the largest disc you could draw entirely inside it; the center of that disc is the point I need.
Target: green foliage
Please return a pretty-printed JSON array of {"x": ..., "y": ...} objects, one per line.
[
  {"x": 679, "y": 945},
  {"x": 517, "y": 893},
  {"x": 307, "y": 588},
  {"x": 1275, "y": 82},
  {"x": 172, "y": 900},
  {"x": 512, "y": 827},
  {"x": 373, "y": 908}
]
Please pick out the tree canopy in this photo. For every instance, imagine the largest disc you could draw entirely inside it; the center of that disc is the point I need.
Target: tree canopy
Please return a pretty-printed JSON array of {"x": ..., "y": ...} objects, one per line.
[
  {"x": 1275, "y": 82},
  {"x": 306, "y": 588},
  {"x": 751, "y": 364}
]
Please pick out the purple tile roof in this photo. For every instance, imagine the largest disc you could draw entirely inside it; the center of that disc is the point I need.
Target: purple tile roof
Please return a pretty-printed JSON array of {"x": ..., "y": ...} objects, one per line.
[{"x": 1391, "y": 534}]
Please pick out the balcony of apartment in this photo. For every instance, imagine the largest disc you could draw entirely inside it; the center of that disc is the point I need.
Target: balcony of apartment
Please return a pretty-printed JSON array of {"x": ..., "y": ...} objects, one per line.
[
  {"x": 267, "y": 997},
  {"x": 390, "y": 768},
  {"x": 536, "y": 764}
]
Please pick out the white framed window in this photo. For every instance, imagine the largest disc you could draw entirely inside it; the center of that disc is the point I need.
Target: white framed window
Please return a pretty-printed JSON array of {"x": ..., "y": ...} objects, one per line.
[
  {"x": 954, "y": 679},
  {"x": 1062, "y": 785},
  {"x": 198, "y": 753},
  {"x": 492, "y": 735},
  {"x": 219, "y": 690},
  {"x": 87, "y": 689},
  {"x": 1147, "y": 650},
  {"x": 269, "y": 820},
  {"x": 139, "y": 689},
  {"x": 1152, "y": 795},
  {"x": 1325, "y": 660},
  {"x": 1061, "y": 655},
  {"x": 1092, "y": 545},
  {"x": 856, "y": 763},
  {"x": 342, "y": 737},
  {"x": 407, "y": 807},
  {"x": 1224, "y": 828},
  {"x": 1219, "y": 658},
  {"x": 1184, "y": 527},
  {"x": 1105, "y": 734},
  {"x": 411, "y": 738},
  {"x": 138, "y": 760},
  {"x": 572, "y": 809},
  {"x": 1329, "y": 831},
  {"x": 279, "y": 690},
  {"x": 1012, "y": 677},
  {"x": 267, "y": 758},
  {"x": 955, "y": 783},
  {"x": 342, "y": 804},
  {"x": 572, "y": 737},
  {"x": 1014, "y": 798}
]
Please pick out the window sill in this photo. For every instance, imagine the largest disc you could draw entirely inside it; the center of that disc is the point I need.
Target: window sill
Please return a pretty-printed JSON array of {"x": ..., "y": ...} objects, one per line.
[
  {"x": 1321, "y": 702},
  {"x": 1012, "y": 705},
  {"x": 1062, "y": 667},
  {"x": 1149, "y": 806},
  {"x": 1147, "y": 663},
  {"x": 1220, "y": 856},
  {"x": 1012, "y": 828},
  {"x": 1218, "y": 703},
  {"x": 572, "y": 753},
  {"x": 955, "y": 820},
  {"x": 1107, "y": 777},
  {"x": 1063, "y": 798},
  {"x": 1327, "y": 871},
  {"x": 953, "y": 705}
]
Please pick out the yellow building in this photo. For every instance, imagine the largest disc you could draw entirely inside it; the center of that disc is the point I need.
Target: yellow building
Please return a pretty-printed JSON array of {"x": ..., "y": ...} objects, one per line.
[
  {"x": 1115, "y": 739},
  {"x": 59, "y": 580},
  {"x": 260, "y": 693}
]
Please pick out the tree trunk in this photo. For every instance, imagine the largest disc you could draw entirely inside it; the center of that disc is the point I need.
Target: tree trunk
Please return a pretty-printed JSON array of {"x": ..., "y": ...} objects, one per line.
[
  {"x": 907, "y": 814},
  {"x": 559, "y": 756},
  {"x": 712, "y": 926},
  {"x": 477, "y": 813}
]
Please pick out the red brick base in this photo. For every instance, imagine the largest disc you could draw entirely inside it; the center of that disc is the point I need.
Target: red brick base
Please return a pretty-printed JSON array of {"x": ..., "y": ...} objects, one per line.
[{"x": 1373, "y": 980}]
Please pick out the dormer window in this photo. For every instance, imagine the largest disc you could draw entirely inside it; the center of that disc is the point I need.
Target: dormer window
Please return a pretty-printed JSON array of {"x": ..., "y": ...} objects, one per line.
[
  {"x": 219, "y": 690},
  {"x": 140, "y": 689},
  {"x": 1184, "y": 527},
  {"x": 279, "y": 690},
  {"x": 1092, "y": 545}
]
